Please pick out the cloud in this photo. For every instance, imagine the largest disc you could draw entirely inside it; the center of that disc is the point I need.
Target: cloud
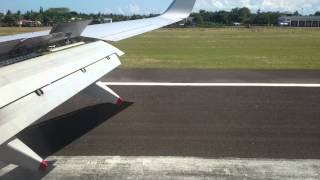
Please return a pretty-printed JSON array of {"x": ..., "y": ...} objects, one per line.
[
  {"x": 308, "y": 6},
  {"x": 107, "y": 10},
  {"x": 134, "y": 9},
  {"x": 120, "y": 10},
  {"x": 128, "y": 9}
]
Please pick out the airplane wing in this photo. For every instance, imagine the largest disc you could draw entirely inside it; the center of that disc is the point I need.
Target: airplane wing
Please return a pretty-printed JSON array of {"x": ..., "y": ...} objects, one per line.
[
  {"x": 178, "y": 10},
  {"x": 31, "y": 88}
]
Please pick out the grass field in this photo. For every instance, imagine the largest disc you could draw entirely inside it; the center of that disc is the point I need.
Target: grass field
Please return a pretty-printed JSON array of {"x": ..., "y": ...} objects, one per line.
[{"x": 223, "y": 48}]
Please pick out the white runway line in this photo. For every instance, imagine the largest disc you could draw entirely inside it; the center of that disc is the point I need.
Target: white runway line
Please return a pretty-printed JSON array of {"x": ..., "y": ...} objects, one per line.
[
  {"x": 116, "y": 167},
  {"x": 211, "y": 84}
]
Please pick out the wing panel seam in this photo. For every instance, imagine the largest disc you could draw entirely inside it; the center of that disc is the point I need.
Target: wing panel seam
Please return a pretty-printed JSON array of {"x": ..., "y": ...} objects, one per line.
[{"x": 56, "y": 80}]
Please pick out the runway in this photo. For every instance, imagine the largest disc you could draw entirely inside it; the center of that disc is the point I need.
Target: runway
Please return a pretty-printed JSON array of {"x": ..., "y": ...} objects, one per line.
[{"x": 245, "y": 123}]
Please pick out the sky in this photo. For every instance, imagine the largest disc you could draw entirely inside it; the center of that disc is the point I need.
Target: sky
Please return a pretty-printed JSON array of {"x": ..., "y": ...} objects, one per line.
[{"x": 157, "y": 6}]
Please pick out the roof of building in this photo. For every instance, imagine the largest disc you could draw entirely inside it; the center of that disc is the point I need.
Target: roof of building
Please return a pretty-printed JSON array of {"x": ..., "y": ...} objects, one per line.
[{"x": 302, "y": 18}]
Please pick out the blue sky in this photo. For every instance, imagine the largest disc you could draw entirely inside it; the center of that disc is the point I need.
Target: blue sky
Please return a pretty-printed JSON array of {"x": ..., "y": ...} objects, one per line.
[
  {"x": 157, "y": 6},
  {"x": 104, "y": 6}
]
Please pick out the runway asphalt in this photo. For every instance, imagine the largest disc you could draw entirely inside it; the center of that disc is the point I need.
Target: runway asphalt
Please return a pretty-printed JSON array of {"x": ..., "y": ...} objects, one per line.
[
  {"x": 201, "y": 122},
  {"x": 218, "y": 122}
]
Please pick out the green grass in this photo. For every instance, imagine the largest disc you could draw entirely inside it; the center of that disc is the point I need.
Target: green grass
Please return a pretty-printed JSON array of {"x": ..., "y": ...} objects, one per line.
[
  {"x": 224, "y": 48},
  {"x": 220, "y": 48}
]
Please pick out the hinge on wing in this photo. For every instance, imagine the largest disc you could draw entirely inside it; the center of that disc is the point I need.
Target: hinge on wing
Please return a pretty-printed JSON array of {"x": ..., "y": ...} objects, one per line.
[
  {"x": 84, "y": 70},
  {"x": 39, "y": 92}
]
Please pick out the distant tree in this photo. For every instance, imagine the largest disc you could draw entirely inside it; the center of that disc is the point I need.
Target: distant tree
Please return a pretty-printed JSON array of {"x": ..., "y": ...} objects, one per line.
[
  {"x": 1, "y": 17},
  {"x": 273, "y": 17},
  {"x": 317, "y": 13},
  {"x": 41, "y": 10},
  {"x": 242, "y": 15},
  {"x": 198, "y": 19},
  {"x": 258, "y": 11},
  {"x": 9, "y": 19},
  {"x": 18, "y": 16},
  {"x": 47, "y": 20},
  {"x": 245, "y": 15},
  {"x": 59, "y": 10},
  {"x": 133, "y": 17},
  {"x": 74, "y": 13},
  {"x": 266, "y": 18},
  {"x": 9, "y": 12},
  {"x": 206, "y": 16},
  {"x": 296, "y": 13},
  {"x": 235, "y": 15},
  {"x": 221, "y": 17}
]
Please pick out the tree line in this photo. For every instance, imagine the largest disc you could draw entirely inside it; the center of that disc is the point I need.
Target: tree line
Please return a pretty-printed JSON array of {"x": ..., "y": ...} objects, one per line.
[
  {"x": 242, "y": 16},
  {"x": 203, "y": 18},
  {"x": 53, "y": 16}
]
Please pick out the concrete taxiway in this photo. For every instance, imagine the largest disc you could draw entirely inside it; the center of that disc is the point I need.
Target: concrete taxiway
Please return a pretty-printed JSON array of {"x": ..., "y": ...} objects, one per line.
[{"x": 247, "y": 132}]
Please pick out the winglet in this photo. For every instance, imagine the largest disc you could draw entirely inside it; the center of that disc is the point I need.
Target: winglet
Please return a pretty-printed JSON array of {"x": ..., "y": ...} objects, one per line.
[{"x": 179, "y": 9}]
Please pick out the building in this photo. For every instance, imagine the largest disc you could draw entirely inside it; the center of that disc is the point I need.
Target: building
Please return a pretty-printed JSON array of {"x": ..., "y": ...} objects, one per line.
[
  {"x": 299, "y": 21},
  {"x": 107, "y": 20},
  {"x": 28, "y": 23},
  {"x": 184, "y": 23},
  {"x": 237, "y": 24}
]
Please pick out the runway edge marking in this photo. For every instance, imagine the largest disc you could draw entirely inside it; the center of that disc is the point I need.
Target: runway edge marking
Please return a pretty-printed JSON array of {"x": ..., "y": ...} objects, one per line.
[{"x": 166, "y": 84}]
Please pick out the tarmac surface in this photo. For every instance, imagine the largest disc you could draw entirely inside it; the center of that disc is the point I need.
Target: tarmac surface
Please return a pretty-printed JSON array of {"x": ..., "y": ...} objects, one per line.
[{"x": 201, "y": 122}]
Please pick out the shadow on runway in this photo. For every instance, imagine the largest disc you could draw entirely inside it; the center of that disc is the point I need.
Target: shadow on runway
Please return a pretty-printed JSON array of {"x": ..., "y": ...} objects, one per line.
[{"x": 51, "y": 136}]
